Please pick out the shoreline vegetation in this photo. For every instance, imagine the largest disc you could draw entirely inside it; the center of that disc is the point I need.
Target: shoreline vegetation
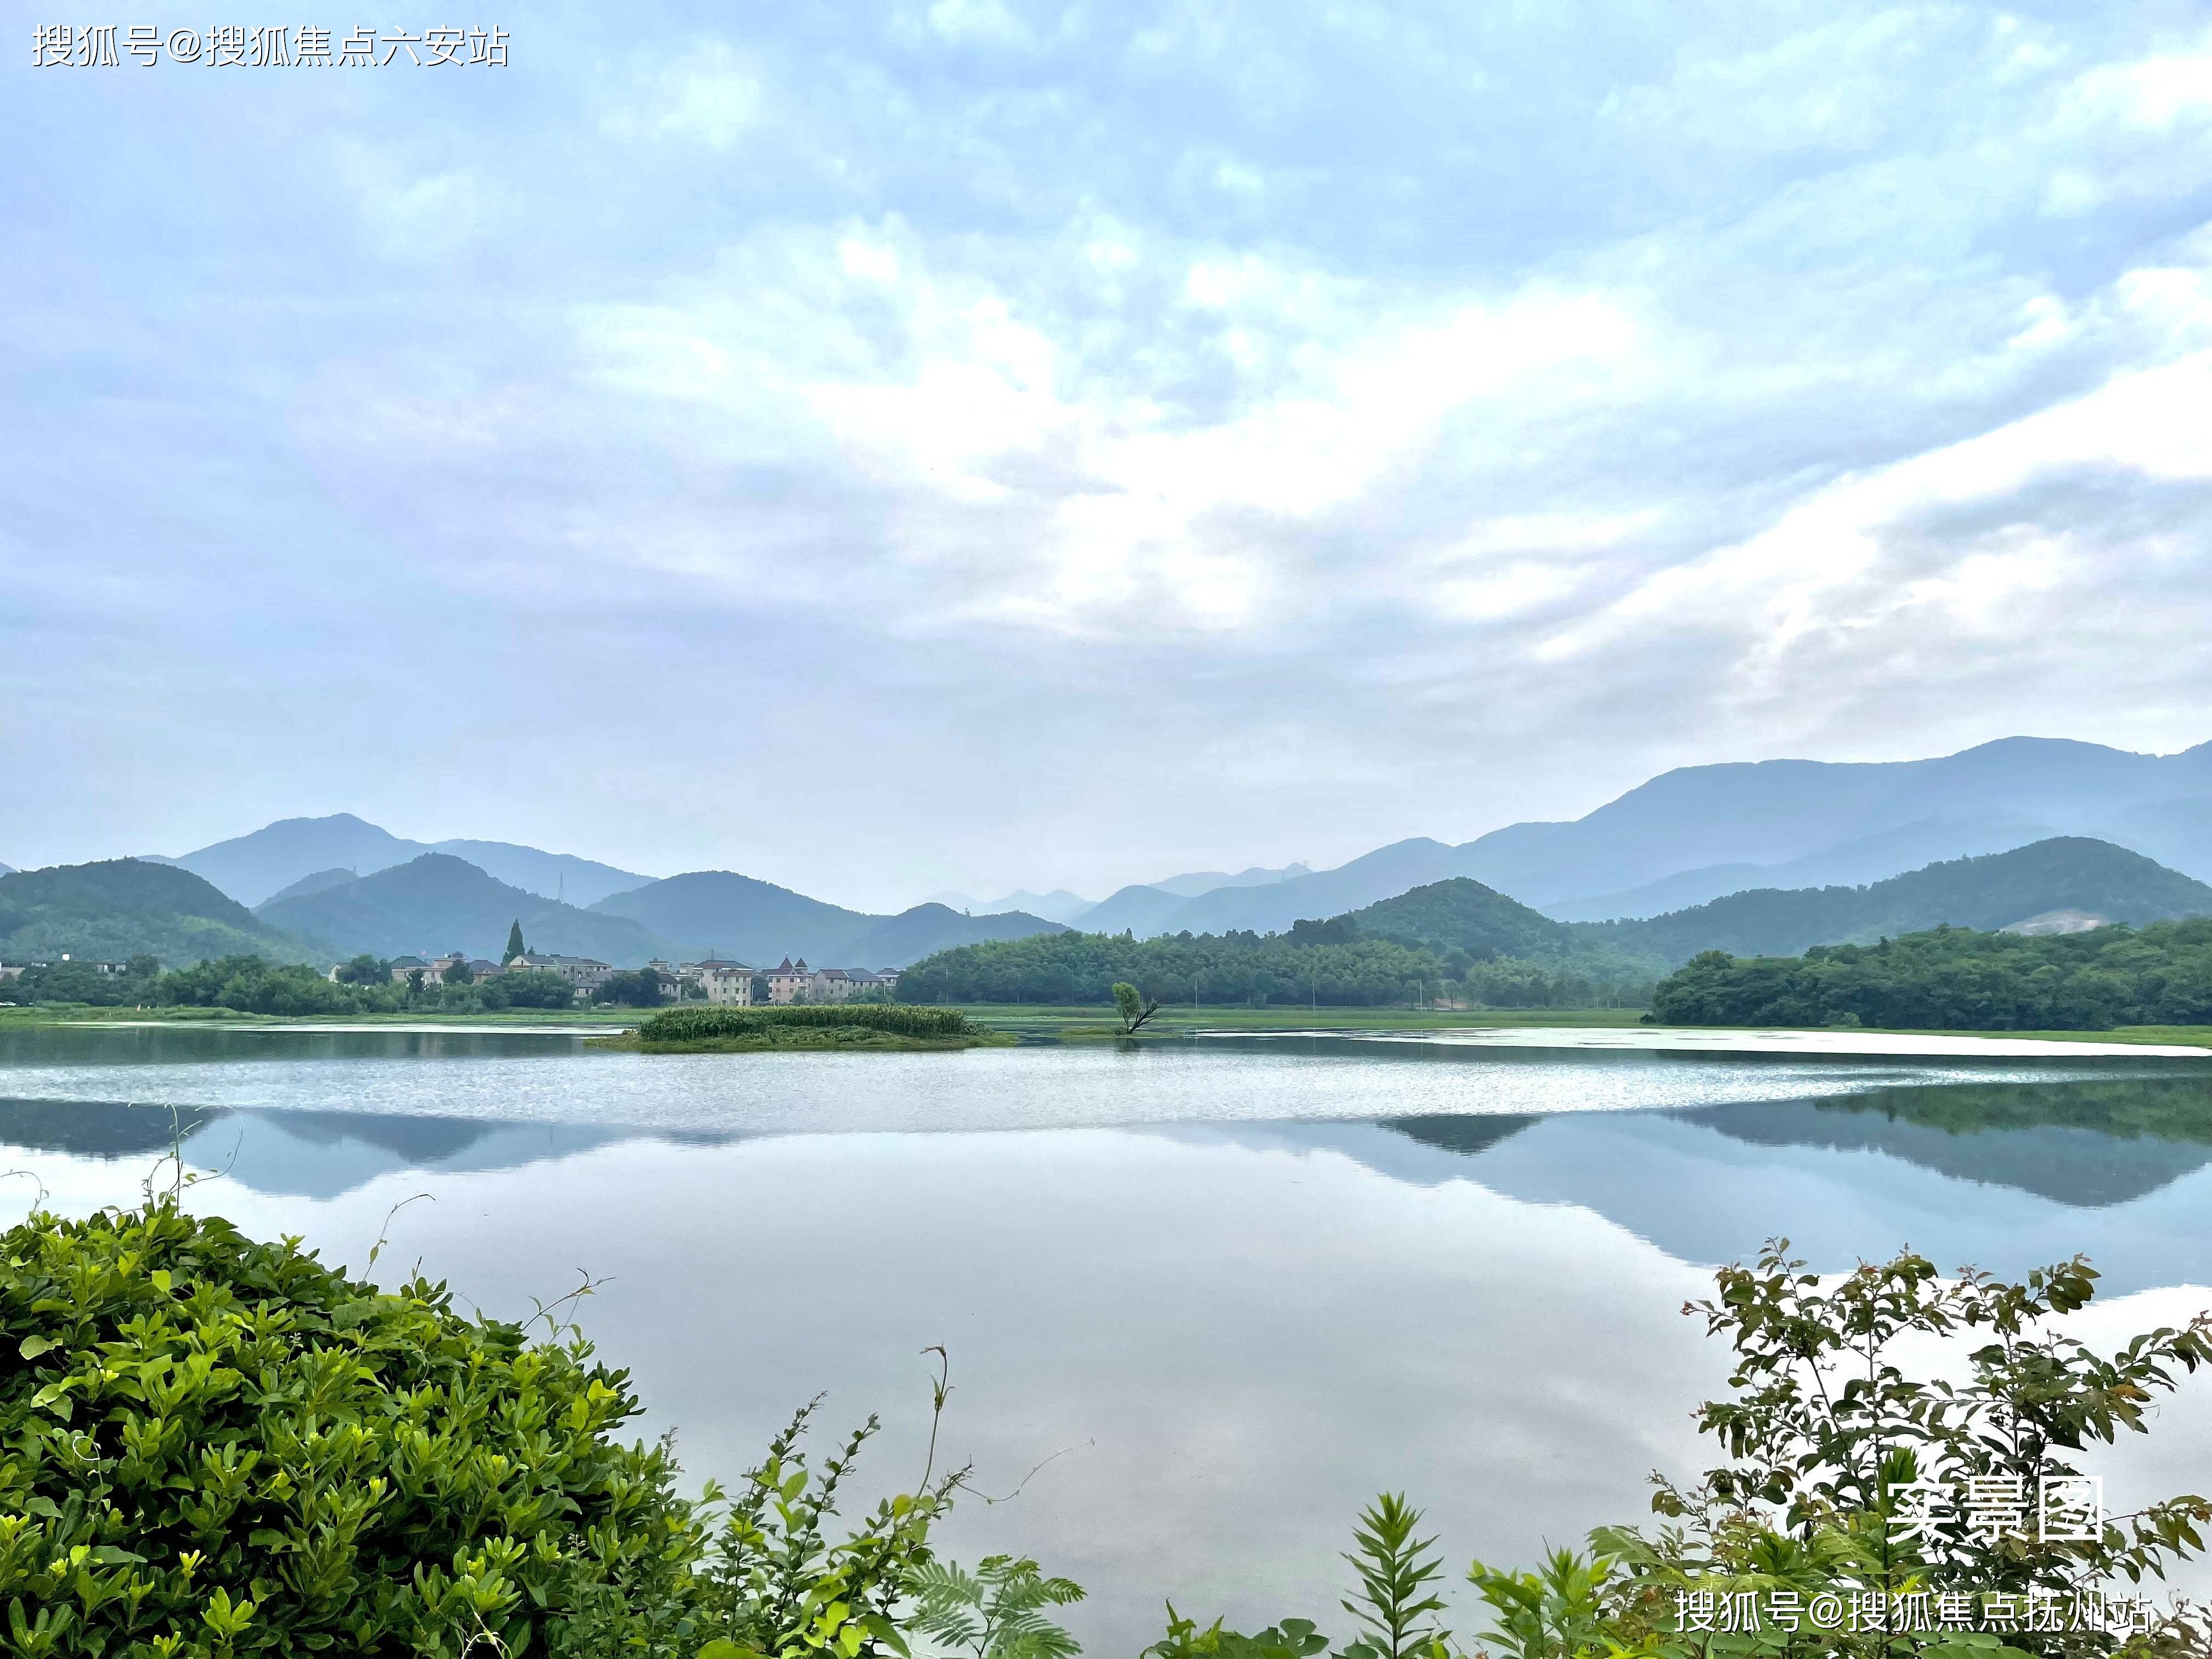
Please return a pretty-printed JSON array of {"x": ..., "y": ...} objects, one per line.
[
  {"x": 1034, "y": 1024},
  {"x": 429, "y": 1481},
  {"x": 804, "y": 1027}
]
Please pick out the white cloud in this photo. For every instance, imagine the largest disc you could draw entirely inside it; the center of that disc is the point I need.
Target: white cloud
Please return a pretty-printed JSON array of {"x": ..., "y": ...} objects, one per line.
[
  {"x": 709, "y": 95},
  {"x": 1704, "y": 387},
  {"x": 1853, "y": 555},
  {"x": 988, "y": 22}
]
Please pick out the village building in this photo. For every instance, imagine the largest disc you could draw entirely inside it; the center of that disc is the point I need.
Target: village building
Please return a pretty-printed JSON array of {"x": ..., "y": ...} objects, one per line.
[
  {"x": 726, "y": 982},
  {"x": 789, "y": 980}
]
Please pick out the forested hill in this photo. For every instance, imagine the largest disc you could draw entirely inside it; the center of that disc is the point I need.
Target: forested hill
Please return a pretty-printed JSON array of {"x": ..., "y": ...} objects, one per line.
[
  {"x": 2066, "y": 872},
  {"x": 1956, "y": 979},
  {"x": 124, "y": 907},
  {"x": 1462, "y": 915}
]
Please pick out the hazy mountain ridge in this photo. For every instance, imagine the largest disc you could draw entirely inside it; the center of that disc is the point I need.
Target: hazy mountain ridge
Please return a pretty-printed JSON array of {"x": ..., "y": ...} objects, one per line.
[
  {"x": 121, "y": 907},
  {"x": 1775, "y": 812},
  {"x": 321, "y": 881},
  {"x": 1129, "y": 907},
  {"x": 1192, "y": 882},
  {"x": 256, "y": 868},
  {"x": 1058, "y": 905},
  {"x": 749, "y": 919}
]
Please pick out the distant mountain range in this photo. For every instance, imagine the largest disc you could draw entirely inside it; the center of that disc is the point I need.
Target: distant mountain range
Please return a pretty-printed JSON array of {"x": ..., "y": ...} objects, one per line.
[
  {"x": 1702, "y": 832},
  {"x": 438, "y": 902},
  {"x": 1998, "y": 890},
  {"x": 1678, "y": 842},
  {"x": 255, "y": 868}
]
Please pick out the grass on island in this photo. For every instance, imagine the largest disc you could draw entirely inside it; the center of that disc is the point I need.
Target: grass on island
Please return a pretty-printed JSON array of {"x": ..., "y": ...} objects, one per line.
[{"x": 841, "y": 1039}]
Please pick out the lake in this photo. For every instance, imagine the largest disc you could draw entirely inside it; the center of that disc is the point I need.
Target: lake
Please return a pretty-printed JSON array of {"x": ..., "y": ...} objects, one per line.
[{"x": 1221, "y": 1290}]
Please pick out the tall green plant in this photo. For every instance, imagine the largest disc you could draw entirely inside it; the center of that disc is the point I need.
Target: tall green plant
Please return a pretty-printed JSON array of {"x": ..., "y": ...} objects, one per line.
[{"x": 1396, "y": 1601}]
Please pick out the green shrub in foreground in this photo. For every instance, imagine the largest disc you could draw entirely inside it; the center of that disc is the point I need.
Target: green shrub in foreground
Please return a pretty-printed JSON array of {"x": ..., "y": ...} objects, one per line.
[
  {"x": 694, "y": 1024},
  {"x": 211, "y": 1446}
]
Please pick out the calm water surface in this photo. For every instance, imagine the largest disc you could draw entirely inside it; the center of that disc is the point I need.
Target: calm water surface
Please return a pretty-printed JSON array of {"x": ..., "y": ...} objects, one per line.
[{"x": 1238, "y": 1286}]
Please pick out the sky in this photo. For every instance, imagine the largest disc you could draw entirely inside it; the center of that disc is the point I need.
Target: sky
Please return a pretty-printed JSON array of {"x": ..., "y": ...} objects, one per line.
[{"x": 978, "y": 443}]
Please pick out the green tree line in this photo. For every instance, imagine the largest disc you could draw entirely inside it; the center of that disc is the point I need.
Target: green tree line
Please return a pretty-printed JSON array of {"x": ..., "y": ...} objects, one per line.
[
  {"x": 1325, "y": 963},
  {"x": 1956, "y": 979},
  {"x": 254, "y": 985}
]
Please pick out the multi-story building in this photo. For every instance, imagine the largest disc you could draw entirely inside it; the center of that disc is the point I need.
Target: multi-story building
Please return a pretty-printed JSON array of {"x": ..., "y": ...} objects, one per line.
[
  {"x": 730, "y": 984},
  {"x": 786, "y": 981}
]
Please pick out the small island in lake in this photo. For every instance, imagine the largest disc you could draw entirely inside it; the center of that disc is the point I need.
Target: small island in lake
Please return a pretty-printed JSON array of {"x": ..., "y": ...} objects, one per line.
[{"x": 726, "y": 1030}]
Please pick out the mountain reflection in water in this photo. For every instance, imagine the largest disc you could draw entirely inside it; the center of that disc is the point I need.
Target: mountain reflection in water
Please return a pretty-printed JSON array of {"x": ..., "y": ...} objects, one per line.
[
  {"x": 2088, "y": 1144},
  {"x": 1983, "y": 1170},
  {"x": 306, "y": 1154}
]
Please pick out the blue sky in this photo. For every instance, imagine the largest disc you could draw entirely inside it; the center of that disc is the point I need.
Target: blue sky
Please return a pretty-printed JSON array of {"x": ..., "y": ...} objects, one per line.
[{"x": 886, "y": 447}]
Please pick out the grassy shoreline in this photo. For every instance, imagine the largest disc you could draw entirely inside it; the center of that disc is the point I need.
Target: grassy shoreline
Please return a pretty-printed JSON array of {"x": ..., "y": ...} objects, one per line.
[{"x": 1026, "y": 1023}]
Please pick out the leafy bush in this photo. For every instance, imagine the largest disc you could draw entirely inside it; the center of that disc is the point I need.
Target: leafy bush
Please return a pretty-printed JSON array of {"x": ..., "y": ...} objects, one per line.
[
  {"x": 525, "y": 987},
  {"x": 695, "y": 1025},
  {"x": 211, "y": 1448},
  {"x": 216, "y": 1447}
]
